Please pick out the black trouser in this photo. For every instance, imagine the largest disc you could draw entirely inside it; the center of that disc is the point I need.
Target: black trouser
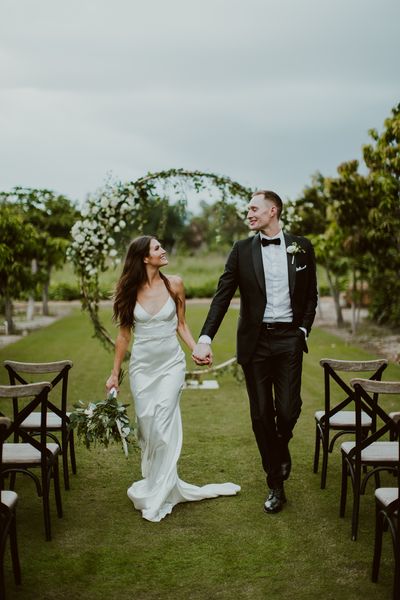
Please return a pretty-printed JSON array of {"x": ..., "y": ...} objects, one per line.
[{"x": 273, "y": 379}]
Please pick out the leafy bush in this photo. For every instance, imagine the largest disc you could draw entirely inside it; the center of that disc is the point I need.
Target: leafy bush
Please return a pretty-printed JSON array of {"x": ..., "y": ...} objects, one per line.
[
  {"x": 64, "y": 291},
  {"x": 385, "y": 298}
]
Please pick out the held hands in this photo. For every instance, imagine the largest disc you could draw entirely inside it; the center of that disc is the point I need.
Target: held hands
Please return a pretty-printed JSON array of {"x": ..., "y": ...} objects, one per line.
[{"x": 202, "y": 354}]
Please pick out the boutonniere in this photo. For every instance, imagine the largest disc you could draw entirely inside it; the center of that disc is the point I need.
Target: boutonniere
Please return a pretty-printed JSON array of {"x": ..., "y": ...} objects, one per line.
[{"x": 294, "y": 249}]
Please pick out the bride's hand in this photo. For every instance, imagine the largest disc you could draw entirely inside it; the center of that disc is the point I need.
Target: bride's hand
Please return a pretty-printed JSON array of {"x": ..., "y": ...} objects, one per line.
[{"x": 112, "y": 382}]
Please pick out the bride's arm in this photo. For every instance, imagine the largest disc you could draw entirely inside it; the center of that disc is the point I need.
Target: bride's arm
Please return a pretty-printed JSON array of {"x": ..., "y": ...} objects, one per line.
[
  {"x": 183, "y": 328},
  {"x": 121, "y": 346}
]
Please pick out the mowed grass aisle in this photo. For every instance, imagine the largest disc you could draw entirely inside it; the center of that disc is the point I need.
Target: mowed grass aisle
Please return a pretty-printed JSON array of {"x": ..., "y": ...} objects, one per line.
[{"x": 220, "y": 548}]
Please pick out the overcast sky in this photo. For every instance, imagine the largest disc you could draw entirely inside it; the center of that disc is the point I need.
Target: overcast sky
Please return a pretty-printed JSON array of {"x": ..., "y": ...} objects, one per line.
[{"x": 264, "y": 91}]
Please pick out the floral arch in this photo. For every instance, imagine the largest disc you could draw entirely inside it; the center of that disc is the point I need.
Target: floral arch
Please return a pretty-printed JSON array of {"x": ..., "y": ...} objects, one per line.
[{"x": 110, "y": 210}]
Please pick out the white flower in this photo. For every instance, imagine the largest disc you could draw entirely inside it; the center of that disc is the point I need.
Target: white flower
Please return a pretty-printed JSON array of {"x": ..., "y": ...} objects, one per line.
[
  {"x": 111, "y": 241},
  {"x": 104, "y": 203},
  {"x": 113, "y": 253},
  {"x": 112, "y": 221},
  {"x": 117, "y": 229},
  {"x": 122, "y": 224},
  {"x": 79, "y": 238},
  {"x": 294, "y": 249}
]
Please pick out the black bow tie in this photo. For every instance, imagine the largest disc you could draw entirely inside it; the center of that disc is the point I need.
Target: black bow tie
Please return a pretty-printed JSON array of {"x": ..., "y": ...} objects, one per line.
[{"x": 266, "y": 242}]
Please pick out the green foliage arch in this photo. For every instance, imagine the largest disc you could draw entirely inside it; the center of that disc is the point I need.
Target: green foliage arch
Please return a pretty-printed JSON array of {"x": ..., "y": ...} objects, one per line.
[{"x": 118, "y": 207}]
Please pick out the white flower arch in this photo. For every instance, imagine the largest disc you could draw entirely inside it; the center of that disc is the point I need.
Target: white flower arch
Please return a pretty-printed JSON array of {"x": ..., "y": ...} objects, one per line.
[{"x": 109, "y": 211}]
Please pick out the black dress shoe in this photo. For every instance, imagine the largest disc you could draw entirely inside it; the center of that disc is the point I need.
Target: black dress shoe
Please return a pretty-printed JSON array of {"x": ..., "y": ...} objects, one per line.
[{"x": 275, "y": 501}]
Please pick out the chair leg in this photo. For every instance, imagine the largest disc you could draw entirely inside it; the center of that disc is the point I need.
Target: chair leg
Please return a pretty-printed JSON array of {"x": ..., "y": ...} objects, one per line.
[
  {"x": 317, "y": 447},
  {"x": 14, "y": 551},
  {"x": 343, "y": 489},
  {"x": 2, "y": 550},
  {"x": 325, "y": 454},
  {"x": 72, "y": 451},
  {"x": 356, "y": 505},
  {"x": 396, "y": 582},
  {"x": 64, "y": 455},
  {"x": 57, "y": 491},
  {"x": 376, "y": 561},
  {"x": 46, "y": 512}
]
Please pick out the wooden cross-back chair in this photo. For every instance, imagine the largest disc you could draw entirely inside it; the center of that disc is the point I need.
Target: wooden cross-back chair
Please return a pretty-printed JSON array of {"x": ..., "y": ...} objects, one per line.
[
  {"x": 367, "y": 456},
  {"x": 8, "y": 527},
  {"x": 58, "y": 415},
  {"x": 387, "y": 499},
  {"x": 333, "y": 419},
  {"x": 33, "y": 452}
]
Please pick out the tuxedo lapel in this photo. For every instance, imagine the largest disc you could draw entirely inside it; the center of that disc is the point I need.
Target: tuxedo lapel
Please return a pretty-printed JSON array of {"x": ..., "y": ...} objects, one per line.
[
  {"x": 291, "y": 263},
  {"x": 257, "y": 262}
]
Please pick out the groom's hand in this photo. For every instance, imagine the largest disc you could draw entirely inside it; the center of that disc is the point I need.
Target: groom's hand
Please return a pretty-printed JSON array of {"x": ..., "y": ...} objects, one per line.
[{"x": 202, "y": 354}]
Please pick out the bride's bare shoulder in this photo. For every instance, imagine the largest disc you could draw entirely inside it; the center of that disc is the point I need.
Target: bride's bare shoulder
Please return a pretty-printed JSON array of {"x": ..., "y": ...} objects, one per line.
[{"x": 176, "y": 282}]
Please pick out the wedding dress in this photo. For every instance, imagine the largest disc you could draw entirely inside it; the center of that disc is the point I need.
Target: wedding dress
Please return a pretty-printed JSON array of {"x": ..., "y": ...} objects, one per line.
[{"x": 157, "y": 373}]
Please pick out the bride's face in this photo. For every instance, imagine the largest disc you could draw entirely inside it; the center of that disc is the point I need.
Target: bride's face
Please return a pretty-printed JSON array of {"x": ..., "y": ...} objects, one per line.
[{"x": 157, "y": 255}]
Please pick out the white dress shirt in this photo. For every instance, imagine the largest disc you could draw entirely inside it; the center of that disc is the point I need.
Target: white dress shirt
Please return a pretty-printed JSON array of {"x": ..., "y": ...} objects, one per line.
[{"x": 278, "y": 307}]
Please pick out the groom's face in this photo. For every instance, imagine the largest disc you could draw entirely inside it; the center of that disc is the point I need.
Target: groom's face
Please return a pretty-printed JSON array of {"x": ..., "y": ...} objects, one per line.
[{"x": 260, "y": 213}]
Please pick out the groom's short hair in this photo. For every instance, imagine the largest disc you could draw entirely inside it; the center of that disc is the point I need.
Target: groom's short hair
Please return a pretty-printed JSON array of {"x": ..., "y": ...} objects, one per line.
[{"x": 273, "y": 197}]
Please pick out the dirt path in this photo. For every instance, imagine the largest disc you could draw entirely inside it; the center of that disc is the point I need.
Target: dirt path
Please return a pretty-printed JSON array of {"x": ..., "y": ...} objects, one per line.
[{"x": 381, "y": 340}]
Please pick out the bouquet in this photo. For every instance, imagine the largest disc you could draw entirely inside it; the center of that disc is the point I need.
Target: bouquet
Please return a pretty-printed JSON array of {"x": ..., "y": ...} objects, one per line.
[{"x": 102, "y": 422}]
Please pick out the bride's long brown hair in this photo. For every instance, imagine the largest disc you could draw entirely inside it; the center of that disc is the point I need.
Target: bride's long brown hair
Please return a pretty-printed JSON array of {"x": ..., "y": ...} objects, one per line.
[{"x": 132, "y": 278}]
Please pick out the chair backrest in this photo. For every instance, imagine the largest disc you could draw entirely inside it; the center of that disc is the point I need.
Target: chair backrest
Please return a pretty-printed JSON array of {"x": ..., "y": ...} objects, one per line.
[
  {"x": 332, "y": 368},
  {"x": 37, "y": 393},
  {"x": 60, "y": 369},
  {"x": 367, "y": 393}
]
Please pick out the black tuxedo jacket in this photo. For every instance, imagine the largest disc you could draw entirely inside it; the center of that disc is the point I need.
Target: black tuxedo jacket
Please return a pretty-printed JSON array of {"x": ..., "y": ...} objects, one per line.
[{"x": 244, "y": 269}]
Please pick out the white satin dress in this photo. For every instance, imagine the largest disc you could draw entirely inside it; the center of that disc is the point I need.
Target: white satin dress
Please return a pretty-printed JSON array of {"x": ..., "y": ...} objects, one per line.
[{"x": 157, "y": 373}]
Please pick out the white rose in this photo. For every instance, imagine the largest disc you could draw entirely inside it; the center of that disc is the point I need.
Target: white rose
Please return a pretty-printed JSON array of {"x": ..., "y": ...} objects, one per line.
[
  {"x": 112, "y": 221},
  {"x": 122, "y": 224},
  {"x": 110, "y": 241},
  {"x": 79, "y": 238},
  {"x": 104, "y": 202}
]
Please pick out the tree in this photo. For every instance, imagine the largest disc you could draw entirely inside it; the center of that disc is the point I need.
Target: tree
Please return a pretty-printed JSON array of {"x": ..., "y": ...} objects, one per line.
[
  {"x": 352, "y": 202},
  {"x": 52, "y": 216},
  {"x": 382, "y": 157},
  {"x": 18, "y": 246},
  {"x": 217, "y": 226},
  {"x": 312, "y": 214}
]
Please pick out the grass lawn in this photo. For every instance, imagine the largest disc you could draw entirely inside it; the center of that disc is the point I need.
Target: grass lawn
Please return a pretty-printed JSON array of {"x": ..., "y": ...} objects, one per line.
[{"x": 221, "y": 548}]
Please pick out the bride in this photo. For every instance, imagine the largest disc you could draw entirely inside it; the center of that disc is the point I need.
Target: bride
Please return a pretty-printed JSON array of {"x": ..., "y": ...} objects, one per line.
[{"x": 154, "y": 305}]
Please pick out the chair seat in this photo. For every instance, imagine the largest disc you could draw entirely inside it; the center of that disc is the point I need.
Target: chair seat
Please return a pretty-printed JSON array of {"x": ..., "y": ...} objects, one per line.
[
  {"x": 344, "y": 419},
  {"x": 25, "y": 453},
  {"x": 53, "y": 421},
  {"x": 9, "y": 498},
  {"x": 386, "y": 495},
  {"x": 376, "y": 452}
]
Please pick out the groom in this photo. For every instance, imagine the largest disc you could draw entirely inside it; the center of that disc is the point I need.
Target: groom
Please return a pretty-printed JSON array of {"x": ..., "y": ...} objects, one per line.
[{"x": 276, "y": 276}]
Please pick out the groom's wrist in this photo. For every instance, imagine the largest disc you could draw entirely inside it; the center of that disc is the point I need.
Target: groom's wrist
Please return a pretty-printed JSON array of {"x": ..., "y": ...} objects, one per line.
[{"x": 204, "y": 339}]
